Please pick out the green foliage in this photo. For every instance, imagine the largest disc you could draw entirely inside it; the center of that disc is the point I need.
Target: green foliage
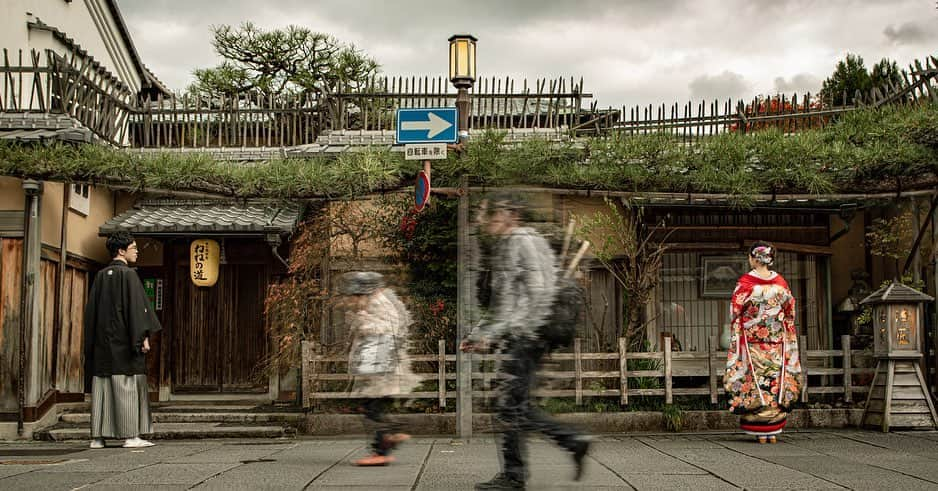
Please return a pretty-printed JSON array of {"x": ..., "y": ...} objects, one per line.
[
  {"x": 425, "y": 242},
  {"x": 886, "y": 73},
  {"x": 850, "y": 76},
  {"x": 293, "y": 60},
  {"x": 632, "y": 252},
  {"x": 874, "y": 149},
  {"x": 890, "y": 237},
  {"x": 673, "y": 417}
]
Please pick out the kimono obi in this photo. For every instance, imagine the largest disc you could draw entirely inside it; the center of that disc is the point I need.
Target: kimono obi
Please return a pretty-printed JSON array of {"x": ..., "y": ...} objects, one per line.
[{"x": 747, "y": 340}]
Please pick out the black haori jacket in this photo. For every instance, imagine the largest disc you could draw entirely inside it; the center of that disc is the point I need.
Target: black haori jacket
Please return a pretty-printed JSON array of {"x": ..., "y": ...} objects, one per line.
[{"x": 118, "y": 317}]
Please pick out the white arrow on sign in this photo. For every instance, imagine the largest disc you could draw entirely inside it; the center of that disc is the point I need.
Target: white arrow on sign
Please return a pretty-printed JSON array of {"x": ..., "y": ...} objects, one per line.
[{"x": 434, "y": 125}]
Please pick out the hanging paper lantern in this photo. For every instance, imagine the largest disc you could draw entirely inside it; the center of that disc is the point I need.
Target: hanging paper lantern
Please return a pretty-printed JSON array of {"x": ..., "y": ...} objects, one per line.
[{"x": 204, "y": 255}]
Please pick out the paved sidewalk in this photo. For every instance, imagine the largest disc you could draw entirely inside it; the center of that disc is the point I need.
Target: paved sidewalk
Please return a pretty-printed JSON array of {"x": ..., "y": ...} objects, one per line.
[{"x": 802, "y": 460}]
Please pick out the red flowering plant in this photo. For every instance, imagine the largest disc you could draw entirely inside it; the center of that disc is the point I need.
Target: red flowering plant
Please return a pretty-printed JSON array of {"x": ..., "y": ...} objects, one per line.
[
  {"x": 425, "y": 244},
  {"x": 778, "y": 106},
  {"x": 338, "y": 232},
  {"x": 293, "y": 306}
]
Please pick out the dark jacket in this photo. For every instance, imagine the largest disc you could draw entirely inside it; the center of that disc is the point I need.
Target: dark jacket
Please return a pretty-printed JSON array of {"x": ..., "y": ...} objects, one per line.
[{"x": 118, "y": 317}]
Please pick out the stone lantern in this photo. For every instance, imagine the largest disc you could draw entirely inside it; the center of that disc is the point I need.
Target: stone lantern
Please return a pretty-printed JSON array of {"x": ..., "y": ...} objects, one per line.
[{"x": 899, "y": 396}]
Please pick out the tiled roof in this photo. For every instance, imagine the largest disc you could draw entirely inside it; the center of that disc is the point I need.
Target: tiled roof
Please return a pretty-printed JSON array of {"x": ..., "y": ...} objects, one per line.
[
  {"x": 42, "y": 126},
  {"x": 896, "y": 292},
  {"x": 174, "y": 217}
]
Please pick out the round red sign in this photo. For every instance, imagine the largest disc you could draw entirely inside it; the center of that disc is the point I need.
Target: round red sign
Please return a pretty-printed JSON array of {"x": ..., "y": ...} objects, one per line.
[{"x": 421, "y": 191}]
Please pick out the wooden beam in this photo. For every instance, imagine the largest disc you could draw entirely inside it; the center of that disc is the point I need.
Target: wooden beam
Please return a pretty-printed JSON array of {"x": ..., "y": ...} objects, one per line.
[{"x": 921, "y": 233}]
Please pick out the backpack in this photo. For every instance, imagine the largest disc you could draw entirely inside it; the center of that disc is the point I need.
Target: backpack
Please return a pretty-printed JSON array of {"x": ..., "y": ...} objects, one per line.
[{"x": 560, "y": 328}]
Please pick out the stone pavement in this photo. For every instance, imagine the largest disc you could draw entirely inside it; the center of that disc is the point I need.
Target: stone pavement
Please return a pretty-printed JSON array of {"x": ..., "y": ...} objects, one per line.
[{"x": 836, "y": 459}]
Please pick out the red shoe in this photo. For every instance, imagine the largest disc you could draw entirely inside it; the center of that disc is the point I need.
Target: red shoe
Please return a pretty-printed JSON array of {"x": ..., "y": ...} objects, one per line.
[{"x": 374, "y": 460}]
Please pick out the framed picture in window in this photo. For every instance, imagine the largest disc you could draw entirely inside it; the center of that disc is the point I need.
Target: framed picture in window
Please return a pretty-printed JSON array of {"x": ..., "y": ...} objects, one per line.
[{"x": 720, "y": 273}]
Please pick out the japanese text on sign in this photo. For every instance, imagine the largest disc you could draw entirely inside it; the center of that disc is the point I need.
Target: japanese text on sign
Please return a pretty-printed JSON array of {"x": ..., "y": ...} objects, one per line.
[{"x": 425, "y": 151}]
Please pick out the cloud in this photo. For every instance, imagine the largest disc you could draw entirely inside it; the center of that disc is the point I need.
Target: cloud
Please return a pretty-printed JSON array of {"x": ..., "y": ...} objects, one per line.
[
  {"x": 800, "y": 83},
  {"x": 627, "y": 51},
  {"x": 722, "y": 86},
  {"x": 909, "y": 33}
]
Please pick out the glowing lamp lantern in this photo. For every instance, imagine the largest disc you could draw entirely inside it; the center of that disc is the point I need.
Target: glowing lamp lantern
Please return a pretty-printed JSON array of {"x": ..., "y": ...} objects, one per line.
[
  {"x": 462, "y": 60},
  {"x": 899, "y": 396},
  {"x": 897, "y": 321},
  {"x": 204, "y": 257}
]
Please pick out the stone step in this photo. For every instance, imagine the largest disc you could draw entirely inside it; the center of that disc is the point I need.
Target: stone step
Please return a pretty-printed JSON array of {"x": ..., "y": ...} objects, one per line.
[
  {"x": 215, "y": 417},
  {"x": 172, "y": 431}
]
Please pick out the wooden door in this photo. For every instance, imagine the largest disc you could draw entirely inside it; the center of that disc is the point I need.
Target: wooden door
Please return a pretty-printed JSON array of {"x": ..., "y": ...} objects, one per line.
[{"x": 218, "y": 332}]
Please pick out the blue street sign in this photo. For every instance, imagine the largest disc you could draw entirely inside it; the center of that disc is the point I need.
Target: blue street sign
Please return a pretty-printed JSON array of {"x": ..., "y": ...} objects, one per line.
[{"x": 427, "y": 125}]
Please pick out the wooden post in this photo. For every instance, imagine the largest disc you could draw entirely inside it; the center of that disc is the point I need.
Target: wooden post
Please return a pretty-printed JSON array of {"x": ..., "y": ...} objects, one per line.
[
  {"x": 306, "y": 365},
  {"x": 711, "y": 351},
  {"x": 442, "y": 372},
  {"x": 60, "y": 287},
  {"x": 802, "y": 355},
  {"x": 668, "y": 383},
  {"x": 623, "y": 372},
  {"x": 916, "y": 225},
  {"x": 934, "y": 357},
  {"x": 31, "y": 356},
  {"x": 578, "y": 370},
  {"x": 464, "y": 301},
  {"x": 887, "y": 403},
  {"x": 848, "y": 368}
]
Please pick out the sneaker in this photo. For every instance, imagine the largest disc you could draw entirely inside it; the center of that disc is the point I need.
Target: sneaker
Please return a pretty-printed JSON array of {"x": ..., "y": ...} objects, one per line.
[
  {"x": 374, "y": 460},
  {"x": 501, "y": 481},
  {"x": 137, "y": 442},
  {"x": 97, "y": 443},
  {"x": 579, "y": 455}
]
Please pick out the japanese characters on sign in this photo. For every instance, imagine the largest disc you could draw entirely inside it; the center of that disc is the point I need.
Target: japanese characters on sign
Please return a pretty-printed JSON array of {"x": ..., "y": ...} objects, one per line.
[
  {"x": 154, "y": 290},
  {"x": 425, "y": 151},
  {"x": 203, "y": 265}
]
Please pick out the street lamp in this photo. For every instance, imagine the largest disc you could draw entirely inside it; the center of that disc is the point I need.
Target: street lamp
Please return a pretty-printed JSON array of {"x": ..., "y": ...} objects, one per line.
[{"x": 462, "y": 73}]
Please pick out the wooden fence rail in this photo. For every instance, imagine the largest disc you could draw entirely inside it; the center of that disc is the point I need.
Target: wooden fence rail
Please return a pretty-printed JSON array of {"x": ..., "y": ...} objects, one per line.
[
  {"x": 74, "y": 84},
  {"x": 662, "y": 368}
]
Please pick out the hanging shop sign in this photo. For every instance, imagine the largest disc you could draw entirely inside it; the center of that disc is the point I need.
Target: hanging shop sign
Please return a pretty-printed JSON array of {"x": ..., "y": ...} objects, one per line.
[{"x": 204, "y": 255}]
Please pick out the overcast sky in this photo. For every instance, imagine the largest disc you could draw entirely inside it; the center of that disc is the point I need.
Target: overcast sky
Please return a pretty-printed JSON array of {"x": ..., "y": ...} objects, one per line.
[{"x": 628, "y": 52}]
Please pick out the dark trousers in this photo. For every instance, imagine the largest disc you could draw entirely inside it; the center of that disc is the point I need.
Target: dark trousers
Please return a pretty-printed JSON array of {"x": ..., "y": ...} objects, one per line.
[
  {"x": 376, "y": 412},
  {"x": 519, "y": 414}
]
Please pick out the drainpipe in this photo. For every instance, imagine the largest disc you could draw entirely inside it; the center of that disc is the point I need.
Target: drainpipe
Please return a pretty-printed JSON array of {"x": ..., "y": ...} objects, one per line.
[
  {"x": 33, "y": 190},
  {"x": 846, "y": 214}
]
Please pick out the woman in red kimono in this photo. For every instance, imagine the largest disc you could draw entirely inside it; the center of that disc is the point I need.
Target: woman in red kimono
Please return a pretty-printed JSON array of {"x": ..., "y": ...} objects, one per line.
[{"x": 763, "y": 372}]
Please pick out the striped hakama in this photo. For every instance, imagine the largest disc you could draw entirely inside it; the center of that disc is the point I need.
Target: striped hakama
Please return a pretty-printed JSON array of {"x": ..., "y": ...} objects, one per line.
[{"x": 120, "y": 407}]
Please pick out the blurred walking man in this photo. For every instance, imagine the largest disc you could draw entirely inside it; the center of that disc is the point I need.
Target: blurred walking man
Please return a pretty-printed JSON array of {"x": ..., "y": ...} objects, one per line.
[{"x": 524, "y": 287}]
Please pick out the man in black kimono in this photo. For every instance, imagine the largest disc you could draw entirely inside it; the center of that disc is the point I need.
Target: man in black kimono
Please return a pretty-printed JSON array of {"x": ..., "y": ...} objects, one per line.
[{"x": 118, "y": 323}]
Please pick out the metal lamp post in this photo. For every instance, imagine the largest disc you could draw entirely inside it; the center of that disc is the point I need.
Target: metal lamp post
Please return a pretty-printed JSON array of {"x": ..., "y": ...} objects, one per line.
[{"x": 462, "y": 73}]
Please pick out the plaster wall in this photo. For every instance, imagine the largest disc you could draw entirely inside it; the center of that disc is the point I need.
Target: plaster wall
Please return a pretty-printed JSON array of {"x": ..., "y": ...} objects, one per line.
[
  {"x": 849, "y": 254},
  {"x": 88, "y": 22},
  {"x": 83, "y": 237},
  {"x": 12, "y": 196}
]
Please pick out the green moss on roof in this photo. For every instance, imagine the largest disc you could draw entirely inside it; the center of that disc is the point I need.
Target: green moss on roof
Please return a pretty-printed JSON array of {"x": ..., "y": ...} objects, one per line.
[{"x": 874, "y": 149}]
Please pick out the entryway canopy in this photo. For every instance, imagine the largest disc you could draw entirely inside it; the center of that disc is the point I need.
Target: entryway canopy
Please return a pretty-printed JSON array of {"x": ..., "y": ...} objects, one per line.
[{"x": 155, "y": 218}]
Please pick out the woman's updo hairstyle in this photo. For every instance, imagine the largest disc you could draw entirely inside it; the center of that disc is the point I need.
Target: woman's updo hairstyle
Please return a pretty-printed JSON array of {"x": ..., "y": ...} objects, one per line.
[{"x": 763, "y": 252}]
